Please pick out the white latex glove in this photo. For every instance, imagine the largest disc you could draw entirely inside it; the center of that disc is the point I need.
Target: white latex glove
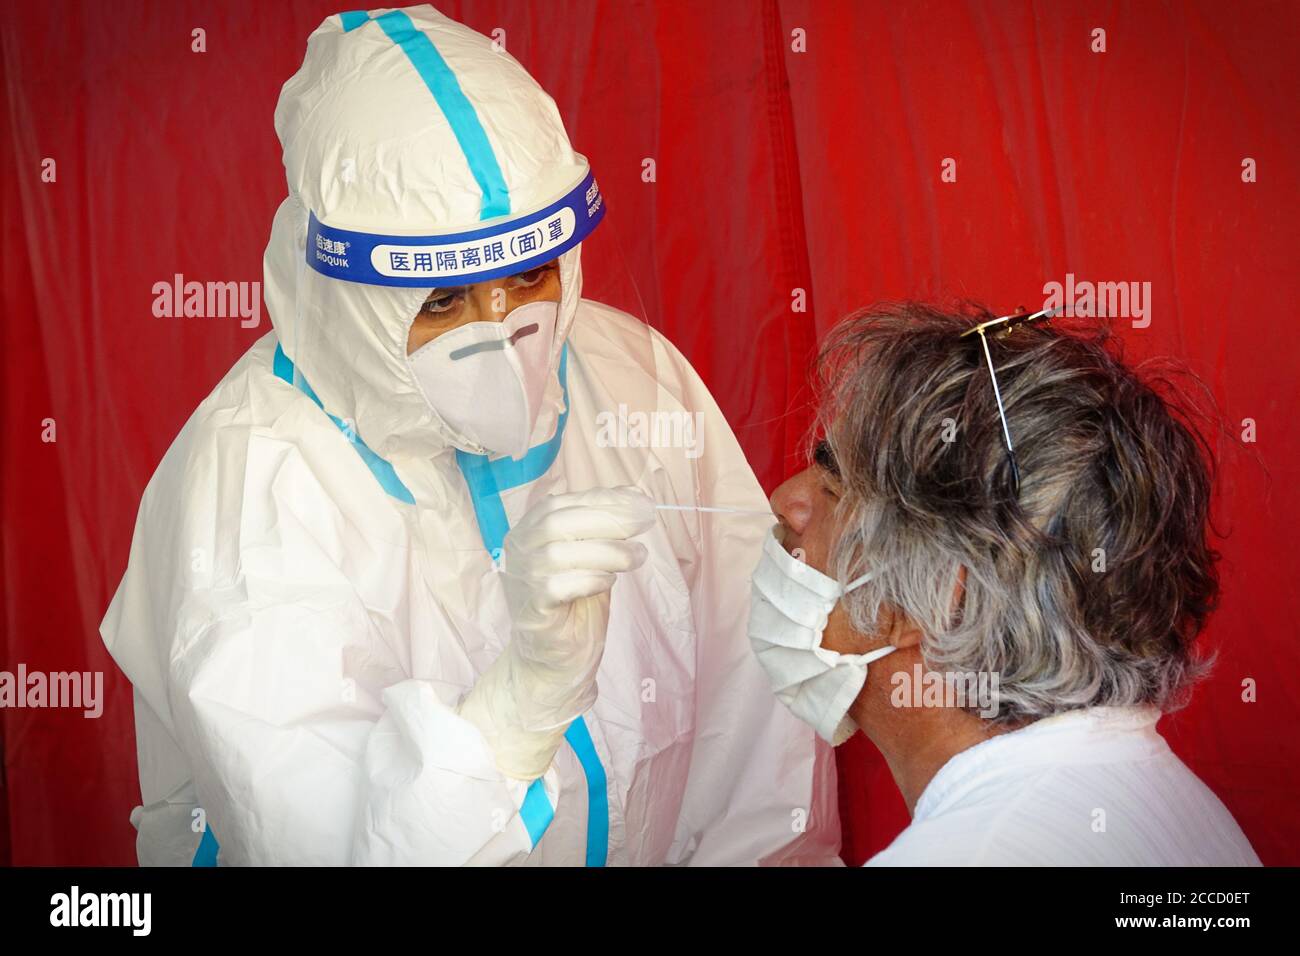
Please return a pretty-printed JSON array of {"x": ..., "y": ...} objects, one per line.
[{"x": 560, "y": 562}]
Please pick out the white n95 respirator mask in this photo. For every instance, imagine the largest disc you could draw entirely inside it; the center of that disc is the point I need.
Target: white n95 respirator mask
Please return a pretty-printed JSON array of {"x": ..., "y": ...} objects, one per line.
[
  {"x": 487, "y": 379},
  {"x": 789, "y": 605}
]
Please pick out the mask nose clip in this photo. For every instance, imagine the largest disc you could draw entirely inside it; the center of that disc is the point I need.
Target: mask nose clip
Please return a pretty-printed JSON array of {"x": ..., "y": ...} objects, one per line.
[{"x": 468, "y": 350}]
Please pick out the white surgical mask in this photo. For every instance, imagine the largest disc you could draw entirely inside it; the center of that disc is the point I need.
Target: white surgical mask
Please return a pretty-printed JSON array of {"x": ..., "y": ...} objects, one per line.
[
  {"x": 789, "y": 606},
  {"x": 487, "y": 379}
]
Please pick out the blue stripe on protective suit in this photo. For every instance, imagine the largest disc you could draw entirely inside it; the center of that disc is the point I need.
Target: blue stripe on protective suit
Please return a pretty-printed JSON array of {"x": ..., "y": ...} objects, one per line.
[
  {"x": 486, "y": 480},
  {"x": 353, "y": 19},
  {"x": 379, "y": 467},
  {"x": 451, "y": 99},
  {"x": 579, "y": 737},
  {"x": 536, "y": 811},
  {"x": 206, "y": 854}
]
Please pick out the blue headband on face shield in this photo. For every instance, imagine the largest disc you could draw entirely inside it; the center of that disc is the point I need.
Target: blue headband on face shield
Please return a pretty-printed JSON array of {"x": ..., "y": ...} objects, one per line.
[{"x": 503, "y": 248}]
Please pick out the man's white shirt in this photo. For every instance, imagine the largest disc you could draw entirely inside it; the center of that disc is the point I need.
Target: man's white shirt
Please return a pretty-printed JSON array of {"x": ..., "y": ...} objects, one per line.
[{"x": 1095, "y": 787}]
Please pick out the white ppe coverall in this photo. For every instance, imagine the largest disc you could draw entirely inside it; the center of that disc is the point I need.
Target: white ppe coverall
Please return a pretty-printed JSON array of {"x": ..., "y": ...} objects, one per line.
[{"x": 314, "y": 587}]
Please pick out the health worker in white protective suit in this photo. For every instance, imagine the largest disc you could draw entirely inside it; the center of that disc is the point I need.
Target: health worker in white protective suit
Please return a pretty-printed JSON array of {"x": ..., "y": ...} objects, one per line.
[{"x": 398, "y": 593}]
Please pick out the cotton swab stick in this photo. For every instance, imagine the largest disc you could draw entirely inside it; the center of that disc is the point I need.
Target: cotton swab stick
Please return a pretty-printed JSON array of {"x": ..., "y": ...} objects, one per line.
[{"x": 726, "y": 511}]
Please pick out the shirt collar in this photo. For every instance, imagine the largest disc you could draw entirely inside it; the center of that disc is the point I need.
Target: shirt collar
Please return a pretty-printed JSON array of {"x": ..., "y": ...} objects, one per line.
[{"x": 1087, "y": 735}]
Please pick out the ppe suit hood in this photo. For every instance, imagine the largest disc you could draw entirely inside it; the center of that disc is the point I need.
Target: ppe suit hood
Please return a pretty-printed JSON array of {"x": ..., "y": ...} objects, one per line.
[{"x": 403, "y": 123}]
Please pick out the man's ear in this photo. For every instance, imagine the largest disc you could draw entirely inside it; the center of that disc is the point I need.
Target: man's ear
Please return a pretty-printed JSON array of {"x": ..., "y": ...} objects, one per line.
[
  {"x": 899, "y": 628},
  {"x": 958, "y": 602}
]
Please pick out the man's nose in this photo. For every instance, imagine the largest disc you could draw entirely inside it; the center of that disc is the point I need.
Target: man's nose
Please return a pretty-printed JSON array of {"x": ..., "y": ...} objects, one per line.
[
  {"x": 487, "y": 302},
  {"x": 792, "y": 502}
]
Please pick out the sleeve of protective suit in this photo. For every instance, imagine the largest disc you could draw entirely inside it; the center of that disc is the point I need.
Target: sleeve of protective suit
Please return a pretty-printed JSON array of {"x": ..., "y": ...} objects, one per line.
[
  {"x": 762, "y": 787},
  {"x": 268, "y": 672}
]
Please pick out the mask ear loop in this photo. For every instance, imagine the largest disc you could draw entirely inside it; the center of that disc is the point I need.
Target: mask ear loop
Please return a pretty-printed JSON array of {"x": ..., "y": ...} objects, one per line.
[
  {"x": 875, "y": 655},
  {"x": 872, "y": 656},
  {"x": 857, "y": 582}
]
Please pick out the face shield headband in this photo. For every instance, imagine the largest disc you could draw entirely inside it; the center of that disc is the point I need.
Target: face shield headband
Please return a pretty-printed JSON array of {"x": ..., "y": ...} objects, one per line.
[{"x": 507, "y": 246}]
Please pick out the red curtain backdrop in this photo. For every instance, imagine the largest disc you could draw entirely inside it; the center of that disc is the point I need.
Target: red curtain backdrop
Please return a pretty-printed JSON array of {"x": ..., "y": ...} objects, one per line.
[{"x": 783, "y": 161}]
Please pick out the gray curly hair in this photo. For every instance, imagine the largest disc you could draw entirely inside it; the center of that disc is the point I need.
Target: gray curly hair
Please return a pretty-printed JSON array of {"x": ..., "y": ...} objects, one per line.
[{"x": 1113, "y": 476}]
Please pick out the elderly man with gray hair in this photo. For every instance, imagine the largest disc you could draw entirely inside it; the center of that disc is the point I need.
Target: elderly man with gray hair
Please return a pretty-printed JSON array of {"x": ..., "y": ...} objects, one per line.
[{"x": 1017, "y": 522}]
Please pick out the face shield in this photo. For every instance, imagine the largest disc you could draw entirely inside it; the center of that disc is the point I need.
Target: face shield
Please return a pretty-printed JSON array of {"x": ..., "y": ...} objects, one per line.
[{"x": 444, "y": 339}]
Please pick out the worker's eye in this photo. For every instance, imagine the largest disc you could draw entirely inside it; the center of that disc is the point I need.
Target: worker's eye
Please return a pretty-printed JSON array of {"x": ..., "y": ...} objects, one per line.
[
  {"x": 532, "y": 278},
  {"x": 441, "y": 301}
]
